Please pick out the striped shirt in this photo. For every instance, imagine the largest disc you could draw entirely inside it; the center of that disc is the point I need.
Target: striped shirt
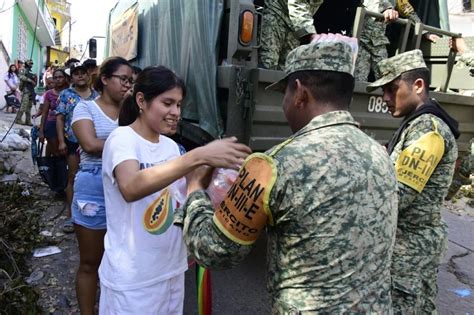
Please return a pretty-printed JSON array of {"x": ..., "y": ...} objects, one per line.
[{"x": 103, "y": 126}]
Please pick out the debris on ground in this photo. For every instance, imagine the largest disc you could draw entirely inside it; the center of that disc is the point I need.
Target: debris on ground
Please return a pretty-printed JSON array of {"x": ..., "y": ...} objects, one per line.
[{"x": 19, "y": 223}]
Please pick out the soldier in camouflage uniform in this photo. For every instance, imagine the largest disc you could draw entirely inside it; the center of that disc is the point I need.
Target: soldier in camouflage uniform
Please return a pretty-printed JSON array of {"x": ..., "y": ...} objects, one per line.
[
  {"x": 424, "y": 152},
  {"x": 285, "y": 23},
  {"x": 327, "y": 195},
  {"x": 27, "y": 88},
  {"x": 373, "y": 42}
]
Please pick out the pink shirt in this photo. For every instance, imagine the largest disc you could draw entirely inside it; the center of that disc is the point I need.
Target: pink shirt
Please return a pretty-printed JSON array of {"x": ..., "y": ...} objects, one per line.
[{"x": 52, "y": 98}]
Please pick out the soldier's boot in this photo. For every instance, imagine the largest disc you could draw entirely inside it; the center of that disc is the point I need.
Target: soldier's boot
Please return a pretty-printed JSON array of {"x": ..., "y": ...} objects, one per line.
[
  {"x": 28, "y": 119},
  {"x": 19, "y": 115}
]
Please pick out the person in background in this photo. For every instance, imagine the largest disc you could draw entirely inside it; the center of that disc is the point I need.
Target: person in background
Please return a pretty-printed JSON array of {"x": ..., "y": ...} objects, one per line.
[
  {"x": 286, "y": 24},
  {"x": 373, "y": 42},
  {"x": 92, "y": 123},
  {"x": 40, "y": 99},
  {"x": 70, "y": 62},
  {"x": 67, "y": 141},
  {"x": 136, "y": 72},
  {"x": 142, "y": 271},
  {"x": 92, "y": 70},
  {"x": 48, "y": 73},
  {"x": 13, "y": 86},
  {"x": 48, "y": 118},
  {"x": 424, "y": 152},
  {"x": 327, "y": 197},
  {"x": 27, "y": 86}
]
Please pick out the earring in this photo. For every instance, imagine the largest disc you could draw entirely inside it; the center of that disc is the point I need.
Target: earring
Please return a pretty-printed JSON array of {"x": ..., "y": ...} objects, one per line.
[{"x": 140, "y": 110}]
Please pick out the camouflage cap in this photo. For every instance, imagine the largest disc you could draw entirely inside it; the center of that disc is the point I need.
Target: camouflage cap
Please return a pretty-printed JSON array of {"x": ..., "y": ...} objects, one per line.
[
  {"x": 389, "y": 69},
  {"x": 324, "y": 55}
]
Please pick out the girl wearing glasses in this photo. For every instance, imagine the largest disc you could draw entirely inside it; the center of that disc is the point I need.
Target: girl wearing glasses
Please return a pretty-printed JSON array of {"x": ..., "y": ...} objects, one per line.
[
  {"x": 92, "y": 123},
  {"x": 142, "y": 271}
]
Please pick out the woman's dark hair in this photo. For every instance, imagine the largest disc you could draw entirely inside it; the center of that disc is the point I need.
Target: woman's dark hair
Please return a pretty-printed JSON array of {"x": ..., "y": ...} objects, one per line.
[
  {"x": 10, "y": 72},
  {"x": 152, "y": 81},
  {"x": 136, "y": 70},
  {"x": 107, "y": 69},
  {"x": 60, "y": 70}
]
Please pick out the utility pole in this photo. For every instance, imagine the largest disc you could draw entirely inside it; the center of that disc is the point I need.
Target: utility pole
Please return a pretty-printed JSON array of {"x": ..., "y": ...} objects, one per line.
[{"x": 70, "y": 28}]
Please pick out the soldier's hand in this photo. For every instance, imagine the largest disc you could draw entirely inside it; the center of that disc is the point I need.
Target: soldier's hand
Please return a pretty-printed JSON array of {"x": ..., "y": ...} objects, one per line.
[
  {"x": 431, "y": 37},
  {"x": 390, "y": 15},
  {"x": 458, "y": 45}
]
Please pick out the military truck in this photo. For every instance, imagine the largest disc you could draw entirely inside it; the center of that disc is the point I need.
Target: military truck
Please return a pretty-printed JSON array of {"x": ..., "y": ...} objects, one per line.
[{"x": 214, "y": 46}]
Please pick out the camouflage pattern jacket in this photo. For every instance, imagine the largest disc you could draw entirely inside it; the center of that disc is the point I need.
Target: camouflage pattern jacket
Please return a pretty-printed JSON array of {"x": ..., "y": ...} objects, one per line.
[
  {"x": 301, "y": 13},
  {"x": 373, "y": 33},
  {"x": 421, "y": 231},
  {"x": 333, "y": 208},
  {"x": 25, "y": 85}
]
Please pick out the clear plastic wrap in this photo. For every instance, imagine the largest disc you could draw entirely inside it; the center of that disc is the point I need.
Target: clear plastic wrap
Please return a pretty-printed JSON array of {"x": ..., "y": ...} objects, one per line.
[{"x": 222, "y": 180}]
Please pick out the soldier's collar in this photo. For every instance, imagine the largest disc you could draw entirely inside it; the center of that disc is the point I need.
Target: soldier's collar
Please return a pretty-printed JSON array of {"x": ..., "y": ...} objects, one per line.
[{"x": 340, "y": 117}]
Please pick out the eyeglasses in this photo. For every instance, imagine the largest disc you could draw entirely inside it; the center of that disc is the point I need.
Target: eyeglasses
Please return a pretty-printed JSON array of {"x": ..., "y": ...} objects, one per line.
[{"x": 124, "y": 79}]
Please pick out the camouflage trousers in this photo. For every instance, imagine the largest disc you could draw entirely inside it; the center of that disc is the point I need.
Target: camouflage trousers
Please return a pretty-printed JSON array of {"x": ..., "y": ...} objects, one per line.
[
  {"x": 367, "y": 58},
  {"x": 414, "y": 277},
  {"x": 25, "y": 108},
  {"x": 277, "y": 40}
]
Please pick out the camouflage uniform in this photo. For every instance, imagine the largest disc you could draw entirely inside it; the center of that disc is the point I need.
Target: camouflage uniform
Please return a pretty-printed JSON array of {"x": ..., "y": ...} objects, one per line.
[
  {"x": 468, "y": 59},
  {"x": 421, "y": 232},
  {"x": 284, "y": 23},
  {"x": 27, "y": 94},
  {"x": 332, "y": 211},
  {"x": 373, "y": 41}
]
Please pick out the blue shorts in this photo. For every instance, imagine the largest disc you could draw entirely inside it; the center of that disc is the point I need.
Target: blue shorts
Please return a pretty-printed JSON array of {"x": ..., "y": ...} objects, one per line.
[{"x": 88, "y": 204}]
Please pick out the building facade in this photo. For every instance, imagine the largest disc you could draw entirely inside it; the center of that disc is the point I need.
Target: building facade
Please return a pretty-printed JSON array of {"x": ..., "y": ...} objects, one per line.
[{"x": 27, "y": 29}]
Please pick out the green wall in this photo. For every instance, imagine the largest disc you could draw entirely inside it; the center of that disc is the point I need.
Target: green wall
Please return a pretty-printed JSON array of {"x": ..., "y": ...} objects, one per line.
[{"x": 29, "y": 40}]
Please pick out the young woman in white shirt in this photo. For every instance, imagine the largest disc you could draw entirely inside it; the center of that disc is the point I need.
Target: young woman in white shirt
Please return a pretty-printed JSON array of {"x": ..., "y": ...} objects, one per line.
[{"x": 142, "y": 271}]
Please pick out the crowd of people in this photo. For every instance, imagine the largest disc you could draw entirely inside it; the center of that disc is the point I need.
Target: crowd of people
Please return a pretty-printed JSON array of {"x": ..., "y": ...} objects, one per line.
[{"x": 353, "y": 227}]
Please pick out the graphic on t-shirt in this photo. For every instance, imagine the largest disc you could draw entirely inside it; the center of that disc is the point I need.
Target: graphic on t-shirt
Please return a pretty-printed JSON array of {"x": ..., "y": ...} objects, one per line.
[{"x": 159, "y": 215}]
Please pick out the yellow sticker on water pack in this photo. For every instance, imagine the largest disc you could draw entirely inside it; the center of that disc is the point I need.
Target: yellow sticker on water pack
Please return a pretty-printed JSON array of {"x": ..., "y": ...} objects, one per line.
[
  {"x": 417, "y": 162},
  {"x": 243, "y": 214}
]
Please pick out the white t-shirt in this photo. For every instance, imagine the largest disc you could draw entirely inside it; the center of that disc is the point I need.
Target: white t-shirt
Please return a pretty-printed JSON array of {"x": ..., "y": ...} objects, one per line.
[
  {"x": 103, "y": 126},
  {"x": 12, "y": 80},
  {"x": 142, "y": 246}
]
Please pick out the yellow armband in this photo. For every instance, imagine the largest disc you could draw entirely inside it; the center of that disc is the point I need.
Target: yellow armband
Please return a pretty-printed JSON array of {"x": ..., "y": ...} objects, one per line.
[{"x": 243, "y": 214}]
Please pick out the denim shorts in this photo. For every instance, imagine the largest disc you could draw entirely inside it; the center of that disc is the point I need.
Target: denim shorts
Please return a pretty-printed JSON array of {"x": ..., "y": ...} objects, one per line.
[{"x": 88, "y": 204}]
